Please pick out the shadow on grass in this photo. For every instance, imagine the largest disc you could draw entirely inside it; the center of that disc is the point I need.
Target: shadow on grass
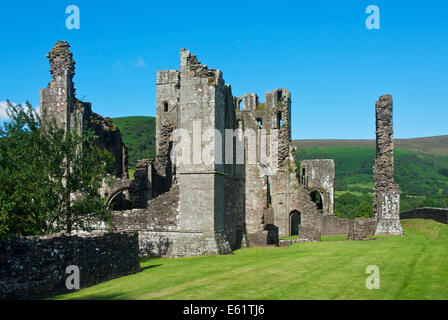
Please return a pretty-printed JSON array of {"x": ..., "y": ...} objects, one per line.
[
  {"x": 146, "y": 259},
  {"x": 150, "y": 267},
  {"x": 100, "y": 297}
]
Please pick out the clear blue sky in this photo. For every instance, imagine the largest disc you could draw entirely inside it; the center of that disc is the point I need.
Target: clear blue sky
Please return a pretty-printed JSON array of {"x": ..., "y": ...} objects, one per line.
[{"x": 333, "y": 65}]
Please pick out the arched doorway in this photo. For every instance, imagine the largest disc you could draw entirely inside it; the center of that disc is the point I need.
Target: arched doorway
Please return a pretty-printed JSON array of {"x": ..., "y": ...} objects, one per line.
[
  {"x": 316, "y": 197},
  {"x": 294, "y": 220}
]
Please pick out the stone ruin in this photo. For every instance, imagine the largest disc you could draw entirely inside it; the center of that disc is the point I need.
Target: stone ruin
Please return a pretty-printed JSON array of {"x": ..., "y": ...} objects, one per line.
[
  {"x": 386, "y": 203},
  {"x": 184, "y": 208},
  {"x": 58, "y": 101},
  {"x": 317, "y": 176}
]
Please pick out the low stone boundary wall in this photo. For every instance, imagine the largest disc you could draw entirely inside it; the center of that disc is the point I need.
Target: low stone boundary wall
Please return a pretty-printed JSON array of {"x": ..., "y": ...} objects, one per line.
[
  {"x": 437, "y": 214},
  {"x": 287, "y": 243},
  {"x": 309, "y": 233},
  {"x": 333, "y": 225},
  {"x": 35, "y": 267},
  {"x": 181, "y": 244},
  {"x": 361, "y": 229}
]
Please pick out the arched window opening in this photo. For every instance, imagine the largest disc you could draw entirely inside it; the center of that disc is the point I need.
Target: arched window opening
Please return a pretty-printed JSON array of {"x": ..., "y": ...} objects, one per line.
[
  {"x": 260, "y": 122},
  {"x": 316, "y": 197},
  {"x": 121, "y": 201},
  {"x": 279, "y": 119},
  {"x": 165, "y": 106}
]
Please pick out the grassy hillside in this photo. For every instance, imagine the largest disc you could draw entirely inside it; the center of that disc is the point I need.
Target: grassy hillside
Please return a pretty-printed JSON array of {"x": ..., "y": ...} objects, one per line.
[
  {"x": 411, "y": 267},
  {"x": 423, "y": 178},
  {"x": 432, "y": 145},
  {"x": 139, "y": 134}
]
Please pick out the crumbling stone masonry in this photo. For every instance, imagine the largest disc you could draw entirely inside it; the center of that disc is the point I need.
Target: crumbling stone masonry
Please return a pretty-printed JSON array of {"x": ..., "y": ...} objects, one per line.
[
  {"x": 214, "y": 207},
  {"x": 360, "y": 229},
  {"x": 386, "y": 203},
  {"x": 35, "y": 267},
  {"x": 273, "y": 194},
  {"x": 198, "y": 207},
  {"x": 58, "y": 101},
  {"x": 317, "y": 176}
]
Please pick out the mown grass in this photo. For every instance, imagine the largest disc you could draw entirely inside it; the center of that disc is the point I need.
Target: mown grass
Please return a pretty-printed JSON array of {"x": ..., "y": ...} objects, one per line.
[{"x": 411, "y": 267}]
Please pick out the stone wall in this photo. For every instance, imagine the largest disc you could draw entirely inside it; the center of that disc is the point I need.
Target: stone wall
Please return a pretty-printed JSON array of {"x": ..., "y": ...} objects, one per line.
[
  {"x": 309, "y": 233},
  {"x": 437, "y": 214},
  {"x": 360, "y": 229},
  {"x": 167, "y": 106},
  {"x": 160, "y": 214},
  {"x": 181, "y": 244},
  {"x": 58, "y": 101},
  {"x": 34, "y": 267},
  {"x": 318, "y": 176},
  {"x": 333, "y": 225}
]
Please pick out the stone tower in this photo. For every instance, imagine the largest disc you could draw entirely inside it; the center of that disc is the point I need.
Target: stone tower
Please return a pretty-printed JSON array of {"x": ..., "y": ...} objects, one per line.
[
  {"x": 386, "y": 203},
  {"x": 167, "y": 103}
]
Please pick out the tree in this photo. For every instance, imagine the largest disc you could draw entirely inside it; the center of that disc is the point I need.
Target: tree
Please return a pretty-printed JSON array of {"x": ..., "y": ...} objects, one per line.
[
  {"x": 365, "y": 209},
  {"x": 50, "y": 178}
]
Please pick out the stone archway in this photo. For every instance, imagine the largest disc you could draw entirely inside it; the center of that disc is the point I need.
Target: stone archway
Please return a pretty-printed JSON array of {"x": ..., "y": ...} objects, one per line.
[
  {"x": 317, "y": 198},
  {"x": 116, "y": 191},
  {"x": 295, "y": 218}
]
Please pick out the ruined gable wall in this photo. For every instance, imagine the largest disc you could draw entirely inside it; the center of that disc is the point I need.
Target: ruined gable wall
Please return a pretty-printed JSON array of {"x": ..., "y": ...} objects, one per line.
[
  {"x": 319, "y": 175},
  {"x": 58, "y": 101}
]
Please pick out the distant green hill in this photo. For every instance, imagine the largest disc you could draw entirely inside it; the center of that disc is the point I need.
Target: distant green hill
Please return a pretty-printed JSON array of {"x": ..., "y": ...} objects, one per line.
[
  {"x": 423, "y": 178},
  {"x": 431, "y": 145},
  {"x": 139, "y": 135}
]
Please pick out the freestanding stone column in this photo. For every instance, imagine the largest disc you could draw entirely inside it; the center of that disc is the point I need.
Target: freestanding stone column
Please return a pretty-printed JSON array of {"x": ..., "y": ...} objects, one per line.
[
  {"x": 58, "y": 99},
  {"x": 386, "y": 203}
]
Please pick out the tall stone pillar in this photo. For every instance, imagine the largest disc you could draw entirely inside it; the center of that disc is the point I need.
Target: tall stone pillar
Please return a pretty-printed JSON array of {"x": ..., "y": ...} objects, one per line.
[
  {"x": 386, "y": 203},
  {"x": 58, "y": 99}
]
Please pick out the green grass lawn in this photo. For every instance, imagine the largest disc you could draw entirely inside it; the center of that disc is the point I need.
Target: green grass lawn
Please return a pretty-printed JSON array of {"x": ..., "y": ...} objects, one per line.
[{"x": 411, "y": 267}]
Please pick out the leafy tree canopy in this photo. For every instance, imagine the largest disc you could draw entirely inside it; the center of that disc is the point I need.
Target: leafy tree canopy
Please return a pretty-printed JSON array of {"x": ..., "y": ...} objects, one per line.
[{"x": 49, "y": 178}]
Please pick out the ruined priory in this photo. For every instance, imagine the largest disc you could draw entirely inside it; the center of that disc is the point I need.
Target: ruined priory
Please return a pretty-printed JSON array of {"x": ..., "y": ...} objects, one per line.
[{"x": 247, "y": 194}]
